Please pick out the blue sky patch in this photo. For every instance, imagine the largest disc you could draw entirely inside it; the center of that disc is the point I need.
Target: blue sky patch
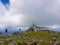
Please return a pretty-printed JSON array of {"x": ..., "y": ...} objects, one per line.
[{"x": 5, "y": 2}]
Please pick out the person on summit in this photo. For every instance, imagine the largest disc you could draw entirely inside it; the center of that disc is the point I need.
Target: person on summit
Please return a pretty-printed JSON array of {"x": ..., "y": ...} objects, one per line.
[{"x": 6, "y": 30}]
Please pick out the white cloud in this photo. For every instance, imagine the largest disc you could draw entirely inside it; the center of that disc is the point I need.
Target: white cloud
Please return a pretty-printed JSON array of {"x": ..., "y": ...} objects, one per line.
[
  {"x": 55, "y": 26},
  {"x": 23, "y": 12},
  {"x": 9, "y": 19}
]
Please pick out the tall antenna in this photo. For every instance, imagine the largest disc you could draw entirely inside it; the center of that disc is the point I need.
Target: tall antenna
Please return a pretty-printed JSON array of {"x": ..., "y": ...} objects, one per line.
[{"x": 34, "y": 24}]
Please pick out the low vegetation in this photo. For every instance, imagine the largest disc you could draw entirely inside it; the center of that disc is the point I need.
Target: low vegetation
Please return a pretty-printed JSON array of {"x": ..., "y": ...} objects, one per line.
[{"x": 30, "y": 38}]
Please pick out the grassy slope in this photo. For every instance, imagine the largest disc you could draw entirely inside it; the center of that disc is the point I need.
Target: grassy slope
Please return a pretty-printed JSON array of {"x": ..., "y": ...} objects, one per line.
[
  {"x": 42, "y": 38},
  {"x": 39, "y": 35}
]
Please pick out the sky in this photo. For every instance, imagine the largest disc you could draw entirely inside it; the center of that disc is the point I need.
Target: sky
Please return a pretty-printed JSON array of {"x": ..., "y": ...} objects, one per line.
[
  {"x": 6, "y": 3},
  {"x": 22, "y": 13}
]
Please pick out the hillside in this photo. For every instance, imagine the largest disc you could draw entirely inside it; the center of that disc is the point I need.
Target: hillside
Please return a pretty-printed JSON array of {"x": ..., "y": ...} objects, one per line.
[
  {"x": 41, "y": 37},
  {"x": 30, "y": 38}
]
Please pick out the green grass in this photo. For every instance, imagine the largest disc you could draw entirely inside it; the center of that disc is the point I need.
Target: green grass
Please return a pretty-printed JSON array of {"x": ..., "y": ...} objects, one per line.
[
  {"x": 38, "y": 35},
  {"x": 42, "y": 38}
]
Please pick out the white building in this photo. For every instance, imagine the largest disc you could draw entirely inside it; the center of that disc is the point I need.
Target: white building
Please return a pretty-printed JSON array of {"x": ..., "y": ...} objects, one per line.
[{"x": 39, "y": 28}]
